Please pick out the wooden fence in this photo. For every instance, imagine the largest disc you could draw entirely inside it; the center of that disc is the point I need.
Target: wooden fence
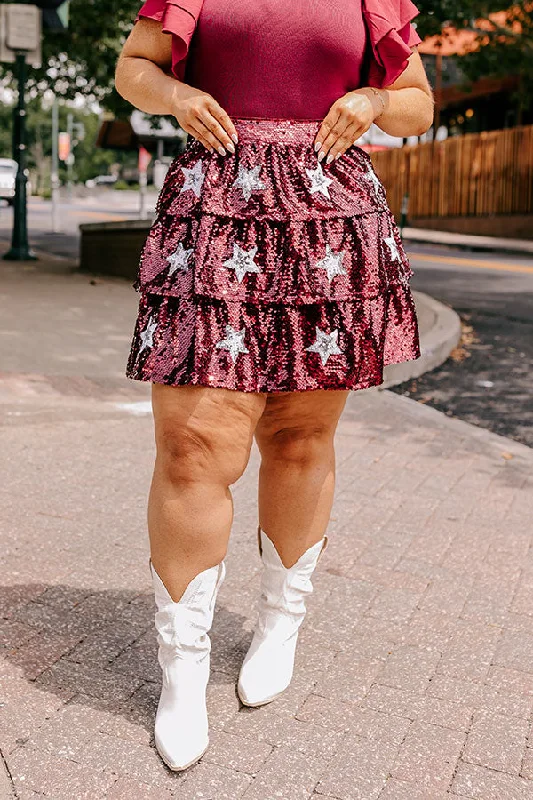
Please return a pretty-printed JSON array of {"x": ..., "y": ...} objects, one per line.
[{"x": 473, "y": 175}]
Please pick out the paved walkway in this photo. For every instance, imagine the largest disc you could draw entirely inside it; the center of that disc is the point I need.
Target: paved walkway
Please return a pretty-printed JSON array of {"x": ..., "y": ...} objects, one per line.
[{"x": 414, "y": 674}]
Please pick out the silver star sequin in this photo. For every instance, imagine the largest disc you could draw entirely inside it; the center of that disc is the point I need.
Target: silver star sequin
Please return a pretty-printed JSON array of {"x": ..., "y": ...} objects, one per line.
[
  {"x": 234, "y": 342},
  {"x": 147, "y": 336},
  {"x": 194, "y": 178},
  {"x": 319, "y": 181},
  {"x": 179, "y": 259},
  {"x": 242, "y": 261},
  {"x": 325, "y": 344},
  {"x": 332, "y": 263},
  {"x": 374, "y": 180},
  {"x": 248, "y": 180},
  {"x": 393, "y": 248}
]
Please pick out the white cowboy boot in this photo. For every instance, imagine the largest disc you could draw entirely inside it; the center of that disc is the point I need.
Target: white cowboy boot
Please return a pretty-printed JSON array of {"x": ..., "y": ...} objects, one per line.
[
  {"x": 268, "y": 665},
  {"x": 181, "y": 724}
]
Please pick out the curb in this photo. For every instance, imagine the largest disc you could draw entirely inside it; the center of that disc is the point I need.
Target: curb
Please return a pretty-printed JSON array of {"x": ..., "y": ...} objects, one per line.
[
  {"x": 432, "y": 416},
  {"x": 465, "y": 241},
  {"x": 437, "y": 340}
]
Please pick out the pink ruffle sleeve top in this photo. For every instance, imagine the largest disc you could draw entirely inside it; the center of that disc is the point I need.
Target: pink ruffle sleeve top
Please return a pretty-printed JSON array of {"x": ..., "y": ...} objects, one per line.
[{"x": 285, "y": 59}]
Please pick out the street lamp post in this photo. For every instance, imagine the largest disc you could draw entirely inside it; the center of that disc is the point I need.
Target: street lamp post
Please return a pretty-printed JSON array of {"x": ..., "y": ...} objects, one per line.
[
  {"x": 20, "y": 249},
  {"x": 20, "y": 44}
]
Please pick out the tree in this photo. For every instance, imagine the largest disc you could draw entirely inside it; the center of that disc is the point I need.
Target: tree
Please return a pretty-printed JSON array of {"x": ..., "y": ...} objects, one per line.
[
  {"x": 435, "y": 16},
  {"x": 506, "y": 48},
  {"x": 80, "y": 61},
  {"x": 504, "y": 38}
]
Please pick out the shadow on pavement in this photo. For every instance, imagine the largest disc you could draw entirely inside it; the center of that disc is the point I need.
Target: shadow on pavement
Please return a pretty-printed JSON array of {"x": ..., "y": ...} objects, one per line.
[{"x": 99, "y": 649}]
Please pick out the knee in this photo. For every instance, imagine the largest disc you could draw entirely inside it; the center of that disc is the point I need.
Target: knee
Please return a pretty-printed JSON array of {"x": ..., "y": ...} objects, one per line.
[
  {"x": 191, "y": 455},
  {"x": 301, "y": 446}
]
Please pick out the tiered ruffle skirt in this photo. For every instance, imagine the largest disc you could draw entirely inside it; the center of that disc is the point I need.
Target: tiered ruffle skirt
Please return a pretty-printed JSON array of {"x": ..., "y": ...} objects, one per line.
[{"x": 267, "y": 271}]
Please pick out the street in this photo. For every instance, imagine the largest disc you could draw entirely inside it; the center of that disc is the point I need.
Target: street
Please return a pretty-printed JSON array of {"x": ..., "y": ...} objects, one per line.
[{"x": 487, "y": 382}]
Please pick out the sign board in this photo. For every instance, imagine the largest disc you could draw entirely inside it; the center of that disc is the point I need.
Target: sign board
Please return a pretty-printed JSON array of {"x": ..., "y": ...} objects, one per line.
[
  {"x": 144, "y": 159},
  {"x": 23, "y": 27},
  {"x": 20, "y": 32},
  {"x": 64, "y": 146}
]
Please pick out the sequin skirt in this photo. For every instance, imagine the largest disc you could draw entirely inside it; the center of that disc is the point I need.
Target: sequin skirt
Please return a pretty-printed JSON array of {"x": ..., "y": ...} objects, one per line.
[{"x": 267, "y": 271}]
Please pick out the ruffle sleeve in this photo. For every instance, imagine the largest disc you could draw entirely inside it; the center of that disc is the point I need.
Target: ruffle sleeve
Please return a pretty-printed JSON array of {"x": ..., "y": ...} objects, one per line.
[
  {"x": 391, "y": 36},
  {"x": 178, "y": 19}
]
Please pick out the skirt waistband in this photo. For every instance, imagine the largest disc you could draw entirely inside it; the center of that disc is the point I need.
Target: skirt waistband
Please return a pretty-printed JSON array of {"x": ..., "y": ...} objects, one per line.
[{"x": 277, "y": 131}]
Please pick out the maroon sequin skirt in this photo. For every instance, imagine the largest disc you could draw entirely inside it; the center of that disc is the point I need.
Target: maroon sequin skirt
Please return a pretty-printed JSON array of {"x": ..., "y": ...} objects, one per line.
[{"x": 267, "y": 271}]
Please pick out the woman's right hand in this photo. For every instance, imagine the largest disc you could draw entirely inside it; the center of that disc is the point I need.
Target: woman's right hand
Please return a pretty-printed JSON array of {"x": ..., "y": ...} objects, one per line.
[
  {"x": 143, "y": 77},
  {"x": 201, "y": 116}
]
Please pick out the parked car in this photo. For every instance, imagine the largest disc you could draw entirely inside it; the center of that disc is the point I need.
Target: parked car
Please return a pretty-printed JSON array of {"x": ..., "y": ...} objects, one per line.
[
  {"x": 101, "y": 180},
  {"x": 8, "y": 173}
]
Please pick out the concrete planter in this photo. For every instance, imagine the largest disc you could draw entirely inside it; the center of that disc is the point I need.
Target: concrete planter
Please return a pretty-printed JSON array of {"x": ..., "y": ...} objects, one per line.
[{"x": 113, "y": 248}]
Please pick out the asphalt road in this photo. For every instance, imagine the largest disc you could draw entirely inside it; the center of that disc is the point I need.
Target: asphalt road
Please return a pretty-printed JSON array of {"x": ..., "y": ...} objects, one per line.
[{"x": 488, "y": 381}]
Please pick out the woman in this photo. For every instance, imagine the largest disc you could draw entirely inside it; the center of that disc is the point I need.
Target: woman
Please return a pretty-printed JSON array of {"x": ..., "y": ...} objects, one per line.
[{"x": 273, "y": 282}]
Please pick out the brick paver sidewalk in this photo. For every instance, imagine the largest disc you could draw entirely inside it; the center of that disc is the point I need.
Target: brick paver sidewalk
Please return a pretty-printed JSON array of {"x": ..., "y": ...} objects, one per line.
[{"x": 414, "y": 676}]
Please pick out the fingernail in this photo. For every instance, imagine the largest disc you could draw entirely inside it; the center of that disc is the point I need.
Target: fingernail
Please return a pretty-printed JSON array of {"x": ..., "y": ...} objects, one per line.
[
  {"x": 329, "y": 159},
  {"x": 230, "y": 147},
  {"x": 321, "y": 155},
  {"x": 338, "y": 155},
  {"x": 221, "y": 151},
  {"x": 235, "y": 138},
  {"x": 318, "y": 145}
]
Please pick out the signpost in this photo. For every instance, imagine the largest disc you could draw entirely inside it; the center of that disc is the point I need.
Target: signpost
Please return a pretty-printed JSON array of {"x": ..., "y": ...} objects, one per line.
[
  {"x": 20, "y": 44},
  {"x": 75, "y": 134},
  {"x": 20, "y": 39},
  {"x": 54, "y": 177}
]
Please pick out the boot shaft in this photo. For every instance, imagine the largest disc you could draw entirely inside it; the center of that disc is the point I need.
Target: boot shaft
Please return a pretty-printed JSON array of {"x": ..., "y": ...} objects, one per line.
[
  {"x": 182, "y": 627},
  {"x": 286, "y": 588}
]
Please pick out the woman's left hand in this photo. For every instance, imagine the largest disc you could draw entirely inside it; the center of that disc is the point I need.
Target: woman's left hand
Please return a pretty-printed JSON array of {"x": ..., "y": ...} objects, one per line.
[{"x": 348, "y": 118}]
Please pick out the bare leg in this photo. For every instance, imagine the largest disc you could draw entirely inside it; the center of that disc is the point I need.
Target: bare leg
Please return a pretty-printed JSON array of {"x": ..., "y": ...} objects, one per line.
[
  {"x": 297, "y": 476},
  {"x": 203, "y": 438}
]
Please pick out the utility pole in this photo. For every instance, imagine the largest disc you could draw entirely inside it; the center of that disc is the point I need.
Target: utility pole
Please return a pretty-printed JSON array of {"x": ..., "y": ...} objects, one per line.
[
  {"x": 70, "y": 157},
  {"x": 54, "y": 177},
  {"x": 438, "y": 92}
]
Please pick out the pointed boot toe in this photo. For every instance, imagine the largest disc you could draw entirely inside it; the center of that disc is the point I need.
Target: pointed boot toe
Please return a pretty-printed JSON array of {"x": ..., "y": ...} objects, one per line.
[
  {"x": 267, "y": 668},
  {"x": 179, "y": 755},
  {"x": 181, "y": 723}
]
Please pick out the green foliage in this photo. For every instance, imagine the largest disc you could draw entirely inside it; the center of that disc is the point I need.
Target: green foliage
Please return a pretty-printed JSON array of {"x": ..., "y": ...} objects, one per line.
[
  {"x": 81, "y": 60},
  {"x": 89, "y": 161},
  {"x": 459, "y": 13},
  {"x": 506, "y": 50}
]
